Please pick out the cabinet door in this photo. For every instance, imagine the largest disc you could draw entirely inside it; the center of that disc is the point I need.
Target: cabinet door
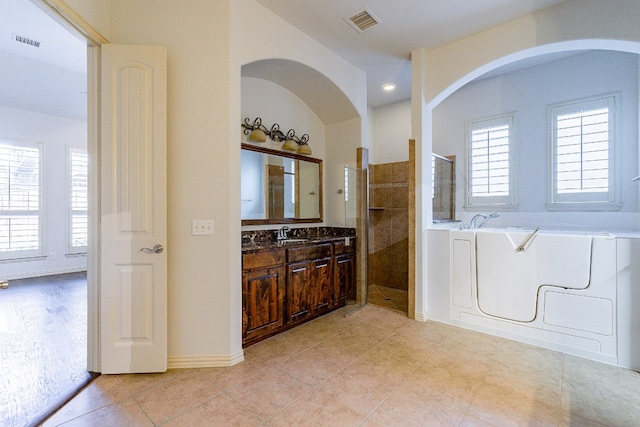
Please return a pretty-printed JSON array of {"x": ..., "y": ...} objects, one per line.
[
  {"x": 322, "y": 285},
  {"x": 263, "y": 301},
  {"x": 344, "y": 283},
  {"x": 299, "y": 277}
]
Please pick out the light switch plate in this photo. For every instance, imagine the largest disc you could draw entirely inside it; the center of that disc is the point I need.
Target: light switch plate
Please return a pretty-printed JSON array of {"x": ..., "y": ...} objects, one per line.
[{"x": 201, "y": 227}]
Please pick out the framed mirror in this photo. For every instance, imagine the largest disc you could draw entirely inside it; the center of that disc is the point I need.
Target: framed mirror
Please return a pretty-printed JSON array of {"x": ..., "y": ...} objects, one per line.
[{"x": 279, "y": 187}]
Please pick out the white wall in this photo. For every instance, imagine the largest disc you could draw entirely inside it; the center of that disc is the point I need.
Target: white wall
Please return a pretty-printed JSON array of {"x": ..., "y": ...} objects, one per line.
[
  {"x": 55, "y": 134},
  {"x": 528, "y": 92},
  {"x": 96, "y": 12},
  {"x": 343, "y": 139},
  {"x": 207, "y": 44},
  {"x": 391, "y": 128},
  {"x": 204, "y": 297}
]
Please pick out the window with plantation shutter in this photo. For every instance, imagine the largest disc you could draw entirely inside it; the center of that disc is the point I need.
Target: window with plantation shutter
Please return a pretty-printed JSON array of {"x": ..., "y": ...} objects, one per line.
[
  {"x": 78, "y": 170},
  {"x": 490, "y": 162},
  {"x": 20, "y": 199},
  {"x": 582, "y": 147}
]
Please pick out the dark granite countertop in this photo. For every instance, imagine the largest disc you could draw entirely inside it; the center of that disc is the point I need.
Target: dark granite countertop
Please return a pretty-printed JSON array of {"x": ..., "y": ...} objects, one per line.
[{"x": 288, "y": 243}]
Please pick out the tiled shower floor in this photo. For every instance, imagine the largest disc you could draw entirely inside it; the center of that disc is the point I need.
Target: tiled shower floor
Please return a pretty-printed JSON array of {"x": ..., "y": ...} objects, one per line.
[{"x": 394, "y": 299}]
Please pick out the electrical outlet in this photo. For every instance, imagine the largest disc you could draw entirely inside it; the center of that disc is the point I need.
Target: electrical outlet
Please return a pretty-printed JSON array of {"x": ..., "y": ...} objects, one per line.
[
  {"x": 201, "y": 227},
  {"x": 347, "y": 241},
  {"x": 52, "y": 255}
]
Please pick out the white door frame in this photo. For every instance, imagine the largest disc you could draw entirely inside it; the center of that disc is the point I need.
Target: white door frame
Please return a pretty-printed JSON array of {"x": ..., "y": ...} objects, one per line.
[{"x": 68, "y": 18}]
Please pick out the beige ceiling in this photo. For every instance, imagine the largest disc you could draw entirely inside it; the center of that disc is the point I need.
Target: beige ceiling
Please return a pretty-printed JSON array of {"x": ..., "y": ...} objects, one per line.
[
  {"x": 50, "y": 78},
  {"x": 55, "y": 71},
  {"x": 383, "y": 52}
]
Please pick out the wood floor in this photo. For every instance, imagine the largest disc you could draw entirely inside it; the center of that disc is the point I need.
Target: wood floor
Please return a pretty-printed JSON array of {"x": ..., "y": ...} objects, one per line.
[{"x": 43, "y": 345}]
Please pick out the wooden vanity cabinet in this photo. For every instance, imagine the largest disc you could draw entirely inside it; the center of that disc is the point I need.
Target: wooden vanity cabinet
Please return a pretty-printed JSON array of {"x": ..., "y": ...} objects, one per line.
[
  {"x": 344, "y": 268},
  {"x": 263, "y": 293},
  {"x": 285, "y": 286},
  {"x": 309, "y": 281}
]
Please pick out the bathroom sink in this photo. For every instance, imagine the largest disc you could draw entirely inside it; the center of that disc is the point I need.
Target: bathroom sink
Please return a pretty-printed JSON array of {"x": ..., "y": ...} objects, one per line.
[{"x": 285, "y": 241}]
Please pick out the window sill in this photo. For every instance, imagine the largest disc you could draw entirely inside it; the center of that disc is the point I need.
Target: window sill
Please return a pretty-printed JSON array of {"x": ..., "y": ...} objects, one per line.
[
  {"x": 75, "y": 254},
  {"x": 494, "y": 207},
  {"x": 584, "y": 206},
  {"x": 23, "y": 258}
]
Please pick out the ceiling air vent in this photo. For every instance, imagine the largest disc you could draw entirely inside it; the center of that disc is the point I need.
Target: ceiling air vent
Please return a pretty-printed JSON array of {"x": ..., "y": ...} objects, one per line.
[
  {"x": 362, "y": 20},
  {"x": 26, "y": 40}
]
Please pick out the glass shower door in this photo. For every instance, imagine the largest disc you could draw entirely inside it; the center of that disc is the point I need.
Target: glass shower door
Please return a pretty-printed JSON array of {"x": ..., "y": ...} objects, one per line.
[{"x": 356, "y": 214}]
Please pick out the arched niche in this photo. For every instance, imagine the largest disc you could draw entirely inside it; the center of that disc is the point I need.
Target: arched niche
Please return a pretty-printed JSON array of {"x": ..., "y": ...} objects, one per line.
[
  {"x": 426, "y": 97},
  {"x": 321, "y": 94}
]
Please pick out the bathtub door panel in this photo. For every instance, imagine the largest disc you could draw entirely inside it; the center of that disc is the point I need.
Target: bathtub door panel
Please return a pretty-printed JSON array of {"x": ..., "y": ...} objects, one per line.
[
  {"x": 508, "y": 280},
  {"x": 462, "y": 273},
  {"x": 581, "y": 313}
]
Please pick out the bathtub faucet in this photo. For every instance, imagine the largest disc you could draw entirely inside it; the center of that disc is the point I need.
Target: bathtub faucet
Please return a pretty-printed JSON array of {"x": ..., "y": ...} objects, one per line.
[{"x": 472, "y": 224}]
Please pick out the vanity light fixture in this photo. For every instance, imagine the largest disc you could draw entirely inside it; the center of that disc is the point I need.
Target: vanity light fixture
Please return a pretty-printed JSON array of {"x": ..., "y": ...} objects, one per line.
[
  {"x": 388, "y": 87},
  {"x": 258, "y": 133},
  {"x": 290, "y": 145}
]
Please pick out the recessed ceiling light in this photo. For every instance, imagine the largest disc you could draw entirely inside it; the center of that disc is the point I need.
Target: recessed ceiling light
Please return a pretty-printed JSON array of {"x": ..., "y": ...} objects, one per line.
[{"x": 388, "y": 87}]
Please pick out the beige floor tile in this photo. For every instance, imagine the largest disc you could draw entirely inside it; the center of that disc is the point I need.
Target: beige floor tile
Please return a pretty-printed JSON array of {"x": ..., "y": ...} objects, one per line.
[
  {"x": 373, "y": 368},
  {"x": 589, "y": 372},
  {"x": 602, "y": 393},
  {"x": 527, "y": 358},
  {"x": 317, "y": 409},
  {"x": 99, "y": 393},
  {"x": 174, "y": 397},
  {"x": 312, "y": 366},
  {"x": 227, "y": 378},
  {"x": 600, "y": 403},
  {"x": 497, "y": 406},
  {"x": 360, "y": 387},
  {"x": 218, "y": 411},
  {"x": 314, "y": 332},
  {"x": 533, "y": 385},
  {"x": 407, "y": 408},
  {"x": 471, "y": 421},
  {"x": 432, "y": 332},
  {"x": 444, "y": 385},
  {"x": 278, "y": 349},
  {"x": 464, "y": 341},
  {"x": 569, "y": 420},
  {"x": 394, "y": 359},
  {"x": 413, "y": 343},
  {"x": 466, "y": 364},
  {"x": 124, "y": 414},
  {"x": 268, "y": 393}
]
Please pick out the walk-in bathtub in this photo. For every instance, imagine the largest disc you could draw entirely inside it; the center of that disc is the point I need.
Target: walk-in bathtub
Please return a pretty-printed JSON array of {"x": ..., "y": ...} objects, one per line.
[{"x": 576, "y": 292}]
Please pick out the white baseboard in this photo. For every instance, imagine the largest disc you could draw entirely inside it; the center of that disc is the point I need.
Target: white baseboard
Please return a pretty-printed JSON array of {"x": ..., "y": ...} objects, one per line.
[
  {"x": 42, "y": 273},
  {"x": 205, "y": 361},
  {"x": 420, "y": 317}
]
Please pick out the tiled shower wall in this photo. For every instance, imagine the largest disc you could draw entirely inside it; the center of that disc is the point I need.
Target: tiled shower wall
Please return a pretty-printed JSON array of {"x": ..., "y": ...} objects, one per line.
[{"x": 388, "y": 225}]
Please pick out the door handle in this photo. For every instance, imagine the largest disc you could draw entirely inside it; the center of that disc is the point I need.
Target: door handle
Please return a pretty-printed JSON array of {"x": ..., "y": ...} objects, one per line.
[{"x": 157, "y": 249}]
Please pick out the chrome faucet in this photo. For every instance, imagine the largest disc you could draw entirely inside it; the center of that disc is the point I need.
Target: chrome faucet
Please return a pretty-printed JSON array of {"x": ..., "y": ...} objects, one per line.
[
  {"x": 282, "y": 233},
  {"x": 491, "y": 216},
  {"x": 472, "y": 224}
]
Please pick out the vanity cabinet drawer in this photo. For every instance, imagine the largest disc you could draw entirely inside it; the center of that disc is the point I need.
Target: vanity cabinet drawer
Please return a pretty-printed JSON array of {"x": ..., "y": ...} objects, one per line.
[
  {"x": 265, "y": 258},
  {"x": 340, "y": 248},
  {"x": 303, "y": 253}
]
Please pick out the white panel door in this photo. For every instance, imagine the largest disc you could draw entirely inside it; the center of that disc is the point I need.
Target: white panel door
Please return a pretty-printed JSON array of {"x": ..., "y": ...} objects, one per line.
[{"x": 133, "y": 260}]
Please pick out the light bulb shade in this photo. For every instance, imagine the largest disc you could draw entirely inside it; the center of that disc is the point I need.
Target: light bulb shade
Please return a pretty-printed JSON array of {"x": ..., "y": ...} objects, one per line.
[
  {"x": 290, "y": 145},
  {"x": 257, "y": 135},
  {"x": 305, "y": 149}
]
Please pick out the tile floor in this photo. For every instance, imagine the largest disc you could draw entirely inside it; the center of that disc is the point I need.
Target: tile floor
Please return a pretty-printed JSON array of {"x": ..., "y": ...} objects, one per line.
[
  {"x": 373, "y": 368},
  {"x": 391, "y": 298}
]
